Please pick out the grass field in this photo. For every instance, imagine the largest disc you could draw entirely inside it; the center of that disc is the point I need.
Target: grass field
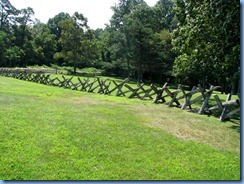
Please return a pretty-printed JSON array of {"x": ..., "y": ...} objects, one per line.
[{"x": 50, "y": 133}]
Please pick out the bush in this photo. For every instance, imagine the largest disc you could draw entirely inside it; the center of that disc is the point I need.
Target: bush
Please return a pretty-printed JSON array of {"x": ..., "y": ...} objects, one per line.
[
  {"x": 37, "y": 66},
  {"x": 90, "y": 70}
]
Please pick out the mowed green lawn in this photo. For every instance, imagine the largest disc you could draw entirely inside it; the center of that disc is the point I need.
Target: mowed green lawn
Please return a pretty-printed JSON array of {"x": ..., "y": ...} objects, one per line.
[{"x": 50, "y": 133}]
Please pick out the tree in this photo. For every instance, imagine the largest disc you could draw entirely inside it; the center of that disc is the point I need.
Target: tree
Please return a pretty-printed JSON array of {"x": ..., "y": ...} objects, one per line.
[
  {"x": 207, "y": 40},
  {"x": 3, "y": 47},
  {"x": 53, "y": 25},
  {"x": 151, "y": 51},
  {"x": 74, "y": 40},
  {"x": 123, "y": 8},
  {"x": 20, "y": 35},
  {"x": 8, "y": 14},
  {"x": 163, "y": 16},
  {"x": 162, "y": 56},
  {"x": 139, "y": 40},
  {"x": 139, "y": 34},
  {"x": 12, "y": 56},
  {"x": 45, "y": 44},
  {"x": 120, "y": 47}
]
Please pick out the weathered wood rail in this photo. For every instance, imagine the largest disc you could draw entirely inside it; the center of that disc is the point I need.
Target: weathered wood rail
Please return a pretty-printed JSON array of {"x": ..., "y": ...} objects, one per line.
[{"x": 179, "y": 97}]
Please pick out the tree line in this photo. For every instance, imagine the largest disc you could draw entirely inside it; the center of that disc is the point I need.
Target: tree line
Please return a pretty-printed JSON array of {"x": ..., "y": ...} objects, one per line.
[{"x": 185, "y": 41}]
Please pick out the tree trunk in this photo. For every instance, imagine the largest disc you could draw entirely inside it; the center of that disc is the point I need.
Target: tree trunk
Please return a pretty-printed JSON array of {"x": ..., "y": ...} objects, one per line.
[
  {"x": 223, "y": 89},
  {"x": 139, "y": 75},
  {"x": 239, "y": 86},
  {"x": 233, "y": 87},
  {"x": 75, "y": 68},
  {"x": 128, "y": 68}
]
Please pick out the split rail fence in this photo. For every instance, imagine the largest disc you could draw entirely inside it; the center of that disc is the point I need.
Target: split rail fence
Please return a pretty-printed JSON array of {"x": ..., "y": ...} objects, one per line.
[{"x": 178, "y": 98}]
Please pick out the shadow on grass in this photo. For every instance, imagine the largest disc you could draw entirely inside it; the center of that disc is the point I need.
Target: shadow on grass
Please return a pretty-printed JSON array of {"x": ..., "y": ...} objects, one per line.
[{"x": 236, "y": 127}]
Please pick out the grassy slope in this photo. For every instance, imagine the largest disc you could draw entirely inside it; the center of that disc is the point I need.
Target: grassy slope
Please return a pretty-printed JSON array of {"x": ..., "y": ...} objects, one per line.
[{"x": 53, "y": 134}]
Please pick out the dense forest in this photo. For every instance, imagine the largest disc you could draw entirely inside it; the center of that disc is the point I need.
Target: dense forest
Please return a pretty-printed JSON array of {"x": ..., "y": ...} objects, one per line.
[{"x": 185, "y": 41}]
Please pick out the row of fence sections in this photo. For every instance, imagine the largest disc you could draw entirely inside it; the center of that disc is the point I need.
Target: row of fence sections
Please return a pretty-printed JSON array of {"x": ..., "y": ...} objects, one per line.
[{"x": 178, "y": 97}]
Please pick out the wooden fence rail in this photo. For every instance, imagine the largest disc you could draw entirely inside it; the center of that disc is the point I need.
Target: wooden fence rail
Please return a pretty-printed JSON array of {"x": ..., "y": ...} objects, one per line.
[{"x": 179, "y": 97}]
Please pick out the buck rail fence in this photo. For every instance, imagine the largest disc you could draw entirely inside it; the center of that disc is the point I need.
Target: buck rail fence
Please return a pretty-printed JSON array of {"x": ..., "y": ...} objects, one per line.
[{"x": 173, "y": 98}]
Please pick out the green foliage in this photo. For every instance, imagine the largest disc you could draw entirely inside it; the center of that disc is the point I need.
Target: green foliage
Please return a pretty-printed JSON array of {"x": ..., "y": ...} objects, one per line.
[
  {"x": 53, "y": 23},
  {"x": 139, "y": 33},
  {"x": 163, "y": 16},
  {"x": 3, "y": 48},
  {"x": 45, "y": 44},
  {"x": 91, "y": 70},
  {"x": 12, "y": 56},
  {"x": 75, "y": 40},
  {"x": 209, "y": 37},
  {"x": 53, "y": 26},
  {"x": 37, "y": 66},
  {"x": 7, "y": 14},
  {"x": 134, "y": 42}
]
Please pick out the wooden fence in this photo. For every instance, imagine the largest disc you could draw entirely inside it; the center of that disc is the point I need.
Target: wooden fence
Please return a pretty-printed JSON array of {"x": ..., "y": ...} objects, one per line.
[{"x": 179, "y": 97}]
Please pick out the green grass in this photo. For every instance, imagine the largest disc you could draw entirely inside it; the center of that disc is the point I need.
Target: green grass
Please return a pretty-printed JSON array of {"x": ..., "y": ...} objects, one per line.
[{"x": 50, "y": 133}]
